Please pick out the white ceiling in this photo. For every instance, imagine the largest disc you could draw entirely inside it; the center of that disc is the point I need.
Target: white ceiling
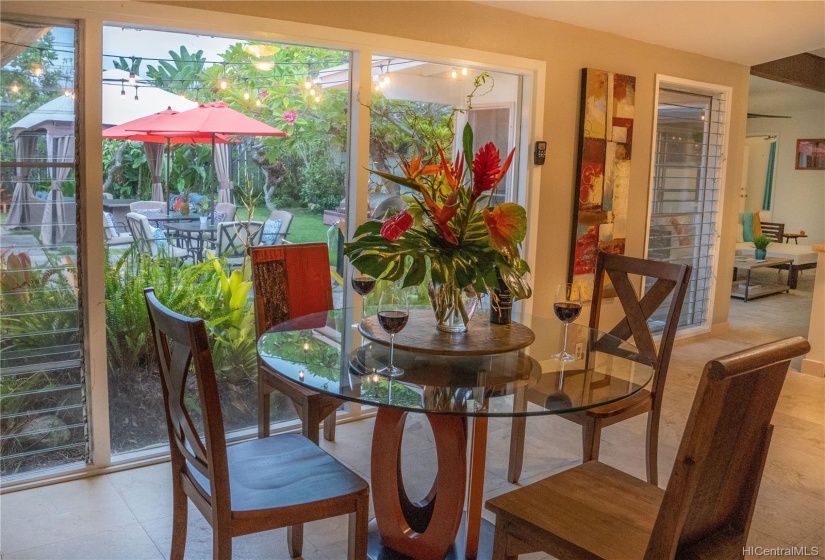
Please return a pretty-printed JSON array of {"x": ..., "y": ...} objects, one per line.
[{"x": 745, "y": 31}]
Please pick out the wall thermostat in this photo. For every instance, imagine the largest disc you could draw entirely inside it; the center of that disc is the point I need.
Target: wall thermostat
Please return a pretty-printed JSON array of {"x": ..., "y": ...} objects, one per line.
[{"x": 540, "y": 153}]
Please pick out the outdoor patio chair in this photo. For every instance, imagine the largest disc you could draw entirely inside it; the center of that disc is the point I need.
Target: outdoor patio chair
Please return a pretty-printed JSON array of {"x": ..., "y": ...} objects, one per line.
[
  {"x": 596, "y": 511},
  {"x": 235, "y": 237},
  {"x": 289, "y": 281},
  {"x": 286, "y": 221},
  {"x": 115, "y": 233},
  {"x": 227, "y": 209},
  {"x": 252, "y": 486},
  {"x": 149, "y": 242},
  {"x": 671, "y": 280}
]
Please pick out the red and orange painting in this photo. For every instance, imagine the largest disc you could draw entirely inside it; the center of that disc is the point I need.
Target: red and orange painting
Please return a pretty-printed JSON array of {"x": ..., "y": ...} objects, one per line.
[{"x": 603, "y": 172}]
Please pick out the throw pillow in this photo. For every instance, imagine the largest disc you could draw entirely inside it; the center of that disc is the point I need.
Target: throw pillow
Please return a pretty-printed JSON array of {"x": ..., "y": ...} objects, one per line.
[
  {"x": 177, "y": 204},
  {"x": 109, "y": 225},
  {"x": 757, "y": 225},
  {"x": 270, "y": 233},
  {"x": 160, "y": 239},
  {"x": 747, "y": 226},
  {"x": 218, "y": 217}
]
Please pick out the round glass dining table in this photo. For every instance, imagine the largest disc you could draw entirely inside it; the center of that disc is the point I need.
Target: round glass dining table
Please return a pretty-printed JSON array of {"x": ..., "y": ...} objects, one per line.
[{"x": 489, "y": 371}]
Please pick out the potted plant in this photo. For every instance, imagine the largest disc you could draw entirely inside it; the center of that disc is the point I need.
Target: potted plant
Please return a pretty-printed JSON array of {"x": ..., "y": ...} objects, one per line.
[{"x": 761, "y": 243}]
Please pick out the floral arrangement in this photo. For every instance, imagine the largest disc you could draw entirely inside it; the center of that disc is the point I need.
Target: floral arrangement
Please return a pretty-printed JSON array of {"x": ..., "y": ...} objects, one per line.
[{"x": 449, "y": 228}]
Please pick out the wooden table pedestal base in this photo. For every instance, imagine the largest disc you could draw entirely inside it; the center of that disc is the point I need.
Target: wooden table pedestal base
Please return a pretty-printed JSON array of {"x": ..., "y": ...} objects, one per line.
[
  {"x": 377, "y": 551},
  {"x": 425, "y": 529}
]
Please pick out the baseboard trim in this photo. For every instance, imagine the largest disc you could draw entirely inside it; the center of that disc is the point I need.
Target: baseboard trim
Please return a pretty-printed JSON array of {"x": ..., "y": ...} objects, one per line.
[{"x": 812, "y": 367}]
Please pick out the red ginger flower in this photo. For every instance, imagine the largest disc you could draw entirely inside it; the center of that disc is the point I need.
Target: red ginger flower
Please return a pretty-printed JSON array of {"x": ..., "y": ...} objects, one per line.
[
  {"x": 395, "y": 227},
  {"x": 487, "y": 169}
]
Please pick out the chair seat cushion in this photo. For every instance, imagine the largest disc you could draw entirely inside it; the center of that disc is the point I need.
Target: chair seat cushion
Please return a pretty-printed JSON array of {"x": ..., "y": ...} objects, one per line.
[
  {"x": 284, "y": 470},
  {"x": 620, "y": 508}
]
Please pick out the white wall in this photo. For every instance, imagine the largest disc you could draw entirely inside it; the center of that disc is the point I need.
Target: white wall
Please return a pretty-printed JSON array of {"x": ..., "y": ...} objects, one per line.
[{"x": 799, "y": 198}]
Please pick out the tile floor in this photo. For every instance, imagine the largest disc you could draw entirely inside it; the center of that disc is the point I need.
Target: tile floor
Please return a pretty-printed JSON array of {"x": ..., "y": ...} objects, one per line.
[{"x": 127, "y": 515}]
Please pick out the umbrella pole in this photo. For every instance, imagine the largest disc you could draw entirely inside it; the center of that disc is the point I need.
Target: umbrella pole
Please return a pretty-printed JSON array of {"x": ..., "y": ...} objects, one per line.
[
  {"x": 211, "y": 181},
  {"x": 168, "y": 169}
]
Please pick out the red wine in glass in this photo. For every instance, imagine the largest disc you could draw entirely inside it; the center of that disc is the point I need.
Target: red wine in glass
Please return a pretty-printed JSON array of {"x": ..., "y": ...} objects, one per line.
[
  {"x": 567, "y": 312},
  {"x": 363, "y": 285},
  {"x": 567, "y": 305},
  {"x": 393, "y": 321},
  {"x": 393, "y": 314}
]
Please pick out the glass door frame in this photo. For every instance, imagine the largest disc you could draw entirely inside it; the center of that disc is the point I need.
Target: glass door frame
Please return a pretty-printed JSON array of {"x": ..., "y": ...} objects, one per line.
[{"x": 90, "y": 20}]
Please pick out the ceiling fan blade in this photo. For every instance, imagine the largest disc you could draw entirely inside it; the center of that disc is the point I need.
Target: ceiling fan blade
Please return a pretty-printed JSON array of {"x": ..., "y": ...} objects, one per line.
[{"x": 758, "y": 116}]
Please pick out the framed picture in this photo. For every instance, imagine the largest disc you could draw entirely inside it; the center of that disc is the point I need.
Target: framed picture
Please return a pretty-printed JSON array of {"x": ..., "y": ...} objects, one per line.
[
  {"x": 810, "y": 154},
  {"x": 602, "y": 173}
]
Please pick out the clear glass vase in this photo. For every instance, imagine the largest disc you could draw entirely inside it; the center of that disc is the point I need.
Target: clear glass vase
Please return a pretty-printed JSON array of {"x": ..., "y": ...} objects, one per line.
[{"x": 453, "y": 307}]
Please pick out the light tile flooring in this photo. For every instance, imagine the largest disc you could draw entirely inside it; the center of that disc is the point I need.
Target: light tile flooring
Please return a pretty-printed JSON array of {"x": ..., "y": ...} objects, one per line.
[{"x": 126, "y": 515}]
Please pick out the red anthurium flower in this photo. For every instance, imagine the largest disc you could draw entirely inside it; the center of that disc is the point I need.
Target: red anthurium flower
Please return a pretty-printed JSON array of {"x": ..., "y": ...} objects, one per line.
[
  {"x": 507, "y": 223},
  {"x": 396, "y": 226}
]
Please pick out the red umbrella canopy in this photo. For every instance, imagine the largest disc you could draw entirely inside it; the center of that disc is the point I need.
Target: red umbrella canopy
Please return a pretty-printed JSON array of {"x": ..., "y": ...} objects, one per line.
[
  {"x": 137, "y": 130},
  {"x": 213, "y": 118}
]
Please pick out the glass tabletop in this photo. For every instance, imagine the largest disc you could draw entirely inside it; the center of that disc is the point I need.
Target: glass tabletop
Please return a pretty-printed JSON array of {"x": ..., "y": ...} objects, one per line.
[
  {"x": 327, "y": 352},
  {"x": 192, "y": 226}
]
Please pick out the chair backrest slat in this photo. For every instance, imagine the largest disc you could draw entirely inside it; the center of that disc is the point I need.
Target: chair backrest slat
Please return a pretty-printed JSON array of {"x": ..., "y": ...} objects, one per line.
[
  {"x": 235, "y": 237},
  {"x": 181, "y": 344},
  {"x": 716, "y": 476},
  {"x": 671, "y": 281},
  {"x": 290, "y": 281},
  {"x": 774, "y": 230}
]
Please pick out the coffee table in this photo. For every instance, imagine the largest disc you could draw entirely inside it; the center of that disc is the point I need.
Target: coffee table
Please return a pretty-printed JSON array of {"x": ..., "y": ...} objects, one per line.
[{"x": 748, "y": 292}]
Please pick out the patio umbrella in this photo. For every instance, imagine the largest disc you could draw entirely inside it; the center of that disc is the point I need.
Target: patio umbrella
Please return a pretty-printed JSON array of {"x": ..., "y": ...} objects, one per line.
[
  {"x": 215, "y": 118},
  {"x": 154, "y": 152}
]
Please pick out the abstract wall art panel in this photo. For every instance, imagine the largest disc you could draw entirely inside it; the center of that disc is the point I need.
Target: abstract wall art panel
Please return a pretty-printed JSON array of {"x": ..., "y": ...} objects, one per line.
[{"x": 602, "y": 173}]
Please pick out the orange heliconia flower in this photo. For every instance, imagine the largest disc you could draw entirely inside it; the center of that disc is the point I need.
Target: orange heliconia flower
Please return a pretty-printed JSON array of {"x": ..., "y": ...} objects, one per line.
[{"x": 413, "y": 167}]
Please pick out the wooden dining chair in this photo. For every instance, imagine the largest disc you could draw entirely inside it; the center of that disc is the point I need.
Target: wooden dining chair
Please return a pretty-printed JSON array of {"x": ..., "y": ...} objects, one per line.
[
  {"x": 289, "y": 281},
  {"x": 671, "y": 281},
  {"x": 252, "y": 486},
  {"x": 596, "y": 511}
]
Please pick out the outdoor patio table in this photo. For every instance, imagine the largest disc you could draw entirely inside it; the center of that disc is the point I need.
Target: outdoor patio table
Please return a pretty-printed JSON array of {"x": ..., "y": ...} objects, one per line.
[
  {"x": 486, "y": 372},
  {"x": 193, "y": 233}
]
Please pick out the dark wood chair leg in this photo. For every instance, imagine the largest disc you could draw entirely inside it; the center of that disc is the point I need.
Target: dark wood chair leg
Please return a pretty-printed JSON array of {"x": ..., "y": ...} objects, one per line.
[
  {"x": 310, "y": 419},
  {"x": 517, "y": 434},
  {"x": 221, "y": 542},
  {"x": 591, "y": 439},
  {"x": 295, "y": 540},
  {"x": 500, "y": 539},
  {"x": 179, "y": 521},
  {"x": 359, "y": 529},
  {"x": 263, "y": 408},
  {"x": 329, "y": 427},
  {"x": 652, "y": 447}
]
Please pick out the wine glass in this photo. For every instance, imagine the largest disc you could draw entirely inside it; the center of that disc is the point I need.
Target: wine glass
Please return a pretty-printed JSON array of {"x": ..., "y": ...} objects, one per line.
[
  {"x": 567, "y": 306},
  {"x": 393, "y": 314},
  {"x": 362, "y": 283}
]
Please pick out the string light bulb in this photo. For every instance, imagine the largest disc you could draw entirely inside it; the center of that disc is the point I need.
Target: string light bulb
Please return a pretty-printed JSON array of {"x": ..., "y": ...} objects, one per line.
[
  {"x": 463, "y": 71},
  {"x": 385, "y": 79},
  {"x": 307, "y": 83},
  {"x": 122, "y": 90},
  {"x": 317, "y": 99},
  {"x": 312, "y": 91},
  {"x": 137, "y": 99},
  {"x": 224, "y": 82},
  {"x": 258, "y": 102},
  {"x": 73, "y": 95},
  {"x": 66, "y": 92},
  {"x": 454, "y": 73},
  {"x": 15, "y": 88},
  {"x": 132, "y": 78},
  {"x": 246, "y": 95},
  {"x": 37, "y": 70}
]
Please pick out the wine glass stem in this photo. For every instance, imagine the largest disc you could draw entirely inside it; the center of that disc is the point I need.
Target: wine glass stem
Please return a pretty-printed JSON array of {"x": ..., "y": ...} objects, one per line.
[
  {"x": 392, "y": 349},
  {"x": 564, "y": 344}
]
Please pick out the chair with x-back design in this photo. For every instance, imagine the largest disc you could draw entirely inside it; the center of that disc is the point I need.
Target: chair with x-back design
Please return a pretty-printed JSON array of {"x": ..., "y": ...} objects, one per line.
[
  {"x": 671, "y": 281},
  {"x": 252, "y": 486}
]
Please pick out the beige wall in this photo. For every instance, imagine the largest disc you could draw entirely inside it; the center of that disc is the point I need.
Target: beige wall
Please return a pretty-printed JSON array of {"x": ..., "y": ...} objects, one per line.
[{"x": 566, "y": 49}]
